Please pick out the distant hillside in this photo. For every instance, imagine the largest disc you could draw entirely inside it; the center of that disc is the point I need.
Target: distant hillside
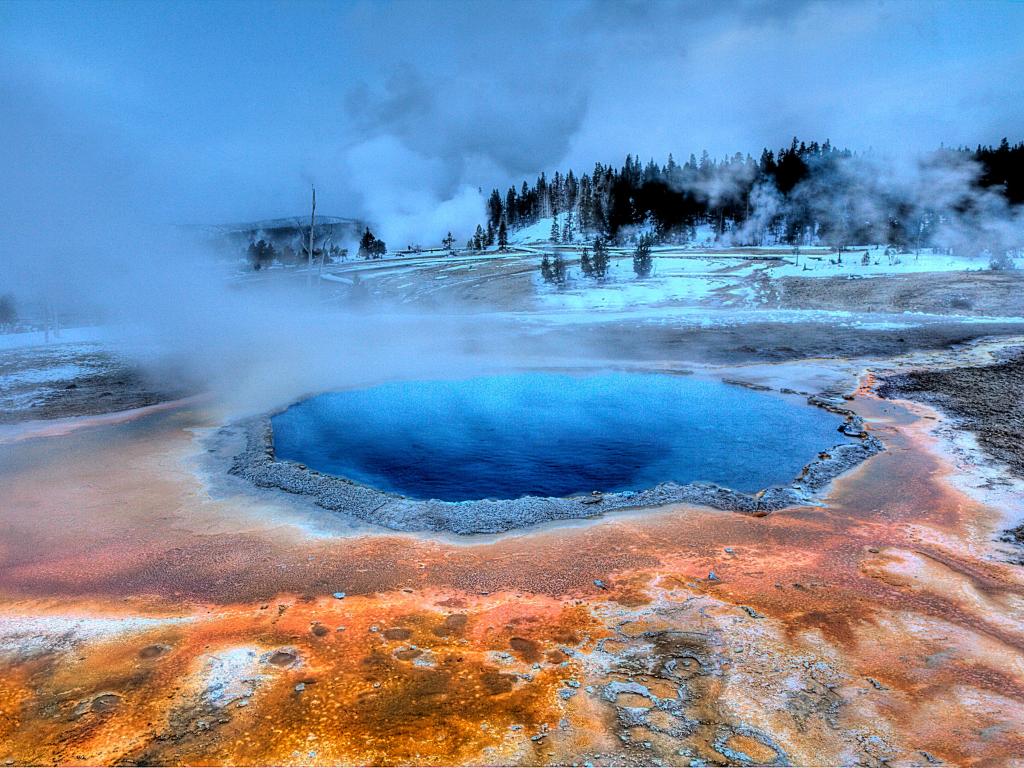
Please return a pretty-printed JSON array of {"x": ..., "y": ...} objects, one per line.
[
  {"x": 286, "y": 228},
  {"x": 286, "y": 239}
]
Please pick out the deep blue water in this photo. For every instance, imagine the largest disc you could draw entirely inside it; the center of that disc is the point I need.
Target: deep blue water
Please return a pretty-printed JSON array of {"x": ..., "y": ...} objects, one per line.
[{"x": 542, "y": 434}]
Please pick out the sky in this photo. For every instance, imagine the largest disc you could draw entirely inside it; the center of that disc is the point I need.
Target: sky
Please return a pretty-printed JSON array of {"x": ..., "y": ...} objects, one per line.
[{"x": 151, "y": 113}]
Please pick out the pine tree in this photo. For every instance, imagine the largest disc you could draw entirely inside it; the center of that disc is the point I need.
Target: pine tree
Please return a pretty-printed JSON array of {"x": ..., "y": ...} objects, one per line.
[
  {"x": 502, "y": 236},
  {"x": 643, "y": 262},
  {"x": 511, "y": 207},
  {"x": 8, "y": 311},
  {"x": 567, "y": 234},
  {"x": 586, "y": 265},
  {"x": 545, "y": 269},
  {"x": 600, "y": 260},
  {"x": 494, "y": 209},
  {"x": 479, "y": 238},
  {"x": 554, "y": 229},
  {"x": 449, "y": 242},
  {"x": 370, "y": 247},
  {"x": 558, "y": 268}
]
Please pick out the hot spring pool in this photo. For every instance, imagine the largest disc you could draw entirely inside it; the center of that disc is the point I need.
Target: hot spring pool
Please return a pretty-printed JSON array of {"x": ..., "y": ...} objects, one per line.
[{"x": 545, "y": 434}]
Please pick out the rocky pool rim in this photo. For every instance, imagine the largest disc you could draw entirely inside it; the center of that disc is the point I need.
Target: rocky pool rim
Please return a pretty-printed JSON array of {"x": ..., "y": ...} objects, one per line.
[{"x": 257, "y": 464}]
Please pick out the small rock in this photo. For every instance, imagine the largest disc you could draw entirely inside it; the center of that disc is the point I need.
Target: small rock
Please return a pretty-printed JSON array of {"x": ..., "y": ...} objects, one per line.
[
  {"x": 600, "y": 584},
  {"x": 339, "y": 595},
  {"x": 300, "y": 687},
  {"x": 712, "y": 576}
]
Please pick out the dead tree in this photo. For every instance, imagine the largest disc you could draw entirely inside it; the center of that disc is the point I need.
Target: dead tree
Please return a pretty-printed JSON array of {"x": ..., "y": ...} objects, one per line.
[{"x": 309, "y": 253}]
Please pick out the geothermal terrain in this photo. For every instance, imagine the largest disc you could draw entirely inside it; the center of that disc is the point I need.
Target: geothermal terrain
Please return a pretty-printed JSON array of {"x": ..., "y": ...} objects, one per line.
[{"x": 173, "y": 591}]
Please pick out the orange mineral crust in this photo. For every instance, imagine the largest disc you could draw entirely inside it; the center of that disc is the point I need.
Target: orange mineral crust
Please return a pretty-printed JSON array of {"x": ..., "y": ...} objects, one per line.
[{"x": 143, "y": 621}]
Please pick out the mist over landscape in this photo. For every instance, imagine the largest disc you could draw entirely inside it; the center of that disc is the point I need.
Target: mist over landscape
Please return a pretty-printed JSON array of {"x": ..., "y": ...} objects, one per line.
[{"x": 197, "y": 114}]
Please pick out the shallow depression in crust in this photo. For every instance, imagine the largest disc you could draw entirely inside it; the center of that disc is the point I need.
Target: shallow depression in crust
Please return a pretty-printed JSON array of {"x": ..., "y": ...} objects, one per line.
[{"x": 546, "y": 434}]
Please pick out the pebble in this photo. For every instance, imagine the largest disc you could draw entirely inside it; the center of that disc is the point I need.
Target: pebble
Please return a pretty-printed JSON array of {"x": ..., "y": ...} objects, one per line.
[
  {"x": 600, "y": 584},
  {"x": 339, "y": 595},
  {"x": 300, "y": 687},
  {"x": 712, "y": 576}
]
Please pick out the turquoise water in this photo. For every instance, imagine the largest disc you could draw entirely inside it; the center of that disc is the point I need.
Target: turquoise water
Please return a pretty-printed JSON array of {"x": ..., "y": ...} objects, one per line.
[{"x": 544, "y": 434}]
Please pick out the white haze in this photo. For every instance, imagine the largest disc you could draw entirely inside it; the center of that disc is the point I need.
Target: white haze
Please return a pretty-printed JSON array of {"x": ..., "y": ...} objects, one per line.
[
  {"x": 124, "y": 127},
  {"x": 941, "y": 186}
]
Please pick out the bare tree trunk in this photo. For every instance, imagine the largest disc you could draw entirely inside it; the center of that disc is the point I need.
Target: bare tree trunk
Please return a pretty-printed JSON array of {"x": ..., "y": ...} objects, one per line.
[
  {"x": 309, "y": 258},
  {"x": 320, "y": 270}
]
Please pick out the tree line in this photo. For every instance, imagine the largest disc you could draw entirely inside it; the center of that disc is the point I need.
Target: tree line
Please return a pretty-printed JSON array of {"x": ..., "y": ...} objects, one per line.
[{"x": 806, "y": 192}]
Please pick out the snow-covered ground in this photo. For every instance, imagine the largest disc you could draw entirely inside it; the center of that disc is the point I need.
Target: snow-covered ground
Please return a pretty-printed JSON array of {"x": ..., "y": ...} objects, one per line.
[
  {"x": 28, "y": 362},
  {"x": 728, "y": 277},
  {"x": 711, "y": 317},
  {"x": 689, "y": 280},
  {"x": 85, "y": 335},
  {"x": 852, "y": 262},
  {"x": 535, "y": 233}
]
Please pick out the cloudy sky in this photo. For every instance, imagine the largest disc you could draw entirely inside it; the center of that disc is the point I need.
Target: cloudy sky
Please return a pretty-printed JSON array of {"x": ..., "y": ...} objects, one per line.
[{"x": 208, "y": 112}]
